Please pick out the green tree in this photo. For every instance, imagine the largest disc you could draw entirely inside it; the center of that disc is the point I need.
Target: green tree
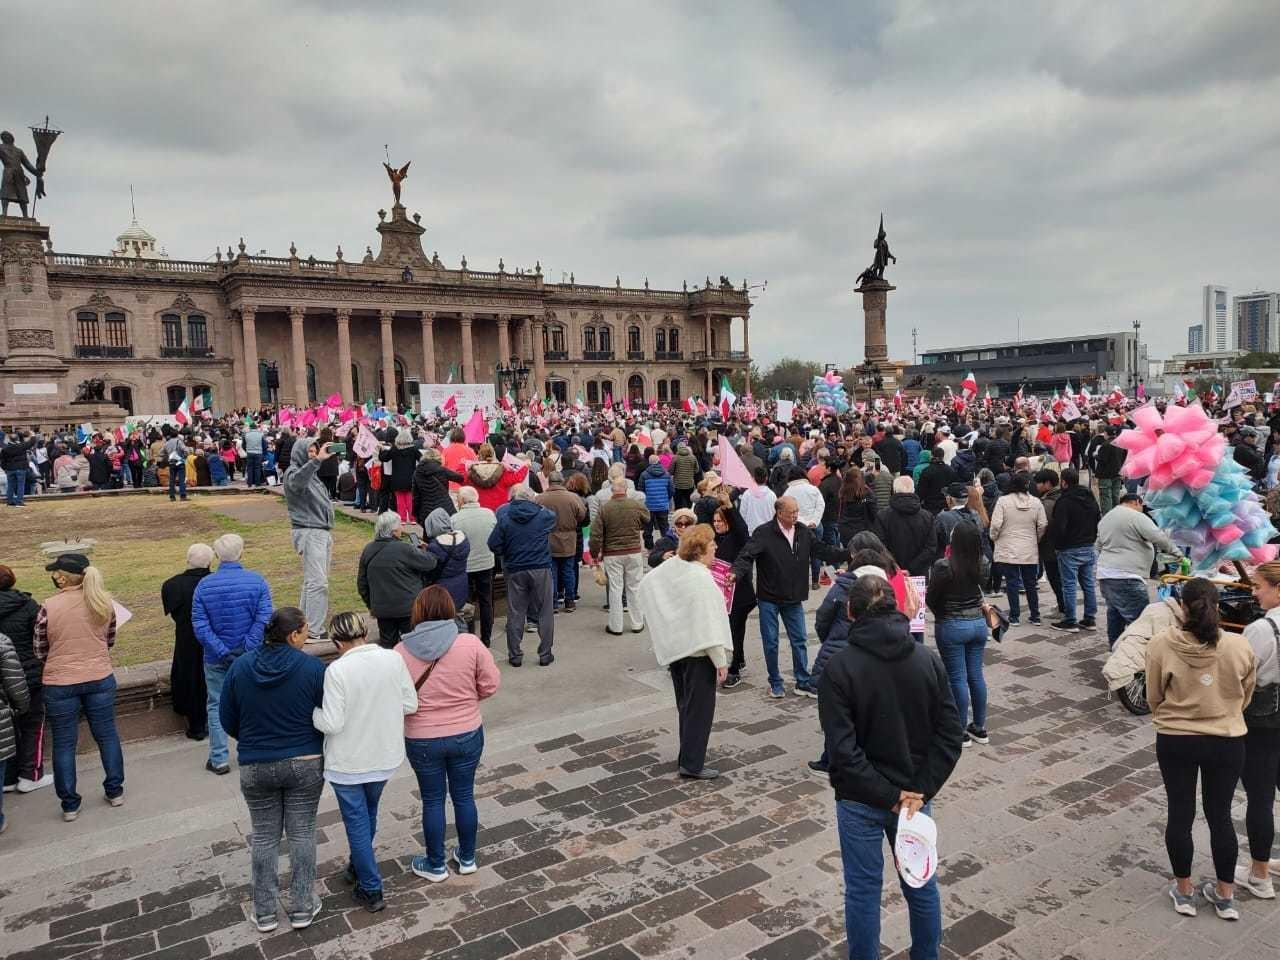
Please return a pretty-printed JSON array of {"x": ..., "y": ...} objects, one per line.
[
  {"x": 790, "y": 378},
  {"x": 1257, "y": 361}
]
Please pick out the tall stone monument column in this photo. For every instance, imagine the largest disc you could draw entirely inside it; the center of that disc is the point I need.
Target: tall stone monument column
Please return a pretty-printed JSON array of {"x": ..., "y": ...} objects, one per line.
[
  {"x": 875, "y": 296},
  {"x": 30, "y": 344}
]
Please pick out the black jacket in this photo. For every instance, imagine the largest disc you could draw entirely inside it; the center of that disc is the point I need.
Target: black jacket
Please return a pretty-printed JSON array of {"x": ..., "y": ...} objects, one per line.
[
  {"x": 1107, "y": 460},
  {"x": 431, "y": 488},
  {"x": 887, "y": 715},
  {"x": 892, "y": 454},
  {"x": 965, "y": 466},
  {"x": 830, "y": 490},
  {"x": 404, "y": 464},
  {"x": 949, "y": 600},
  {"x": 906, "y": 528},
  {"x": 856, "y": 516},
  {"x": 1248, "y": 457},
  {"x": 998, "y": 458},
  {"x": 1075, "y": 519},
  {"x": 933, "y": 481},
  {"x": 1050, "y": 502},
  {"x": 17, "y": 622},
  {"x": 392, "y": 573},
  {"x": 782, "y": 568},
  {"x": 13, "y": 456}
]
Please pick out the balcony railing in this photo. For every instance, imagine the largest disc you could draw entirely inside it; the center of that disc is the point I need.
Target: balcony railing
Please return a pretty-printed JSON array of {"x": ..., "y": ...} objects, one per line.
[
  {"x": 186, "y": 353},
  {"x": 100, "y": 352},
  {"x": 555, "y": 355},
  {"x": 635, "y": 354},
  {"x": 720, "y": 355},
  {"x": 668, "y": 355},
  {"x": 597, "y": 354}
]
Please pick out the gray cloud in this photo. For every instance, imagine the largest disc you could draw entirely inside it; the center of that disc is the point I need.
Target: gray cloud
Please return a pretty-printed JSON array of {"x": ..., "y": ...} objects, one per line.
[{"x": 1073, "y": 166}]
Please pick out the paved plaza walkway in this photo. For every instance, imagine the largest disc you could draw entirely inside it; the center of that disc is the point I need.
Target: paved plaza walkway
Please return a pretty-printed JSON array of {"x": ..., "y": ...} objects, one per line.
[{"x": 590, "y": 846}]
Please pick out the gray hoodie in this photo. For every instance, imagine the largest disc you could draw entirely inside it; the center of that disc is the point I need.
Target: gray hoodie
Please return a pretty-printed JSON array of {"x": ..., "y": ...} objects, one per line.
[
  {"x": 431, "y": 639},
  {"x": 304, "y": 495}
]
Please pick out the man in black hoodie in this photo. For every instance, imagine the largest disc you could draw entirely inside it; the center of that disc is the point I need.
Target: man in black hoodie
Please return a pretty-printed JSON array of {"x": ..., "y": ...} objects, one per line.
[
  {"x": 1074, "y": 530},
  {"x": 893, "y": 737},
  {"x": 906, "y": 528}
]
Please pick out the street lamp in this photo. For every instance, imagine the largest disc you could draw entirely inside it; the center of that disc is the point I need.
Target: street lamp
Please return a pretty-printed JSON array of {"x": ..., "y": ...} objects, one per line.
[
  {"x": 869, "y": 376},
  {"x": 515, "y": 375}
]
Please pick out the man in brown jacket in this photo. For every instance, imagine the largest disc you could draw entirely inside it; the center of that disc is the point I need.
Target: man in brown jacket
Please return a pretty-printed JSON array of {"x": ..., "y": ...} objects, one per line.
[
  {"x": 617, "y": 541},
  {"x": 571, "y": 514}
]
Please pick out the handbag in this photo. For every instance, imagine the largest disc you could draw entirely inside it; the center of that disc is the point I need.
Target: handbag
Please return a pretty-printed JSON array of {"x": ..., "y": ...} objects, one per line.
[
  {"x": 425, "y": 674},
  {"x": 1264, "y": 709},
  {"x": 997, "y": 620}
]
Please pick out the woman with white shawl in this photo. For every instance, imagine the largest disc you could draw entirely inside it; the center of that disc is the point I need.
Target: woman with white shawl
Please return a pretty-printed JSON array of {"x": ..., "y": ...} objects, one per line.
[{"x": 689, "y": 625}]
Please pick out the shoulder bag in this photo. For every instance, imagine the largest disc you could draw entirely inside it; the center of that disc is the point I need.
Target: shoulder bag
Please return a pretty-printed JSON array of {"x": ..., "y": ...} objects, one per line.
[
  {"x": 425, "y": 674},
  {"x": 1264, "y": 709}
]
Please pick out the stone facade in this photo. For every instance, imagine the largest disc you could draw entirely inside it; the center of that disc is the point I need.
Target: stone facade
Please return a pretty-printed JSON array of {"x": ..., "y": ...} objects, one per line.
[{"x": 159, "y": 329}]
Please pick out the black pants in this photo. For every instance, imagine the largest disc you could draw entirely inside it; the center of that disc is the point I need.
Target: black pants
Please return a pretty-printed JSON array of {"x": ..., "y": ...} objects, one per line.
[
  {"x": 684, "y": 498},
  {"x": 1054, "y": 576},
  {"x": 29, "y": 764},
  {"x": 1217, "y": 762},
  {"x": 1259, "y": 776},
  {"x": 694, "y": 679},
  {"x": 481, "y": 585},
  {"x": 389, "y": 630},
  {"x": 331, "y": 484},
  {"x": 744, "y": 601},
  {"x": 657, "y": 521}
]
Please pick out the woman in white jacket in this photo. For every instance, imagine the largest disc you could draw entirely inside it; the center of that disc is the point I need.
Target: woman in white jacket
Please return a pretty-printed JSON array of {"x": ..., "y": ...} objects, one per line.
[
  {"x": 1017, "y": 523},
  {"x": 688, "y": 623},
  {"x": 367, "y": 694}
]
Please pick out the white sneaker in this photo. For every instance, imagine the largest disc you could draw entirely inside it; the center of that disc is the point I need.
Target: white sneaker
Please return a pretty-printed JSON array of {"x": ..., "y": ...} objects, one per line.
[
  {"x": 27, "y": 786},
  {"x": 1262, "y": 888}
]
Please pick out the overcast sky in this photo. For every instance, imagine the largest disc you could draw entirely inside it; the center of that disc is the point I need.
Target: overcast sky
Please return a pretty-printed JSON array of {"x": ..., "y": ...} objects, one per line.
[{"x": 1076, "y": 165}]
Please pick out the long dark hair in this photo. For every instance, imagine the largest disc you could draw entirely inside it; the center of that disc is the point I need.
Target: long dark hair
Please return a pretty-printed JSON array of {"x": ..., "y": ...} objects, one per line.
[
  {"x": 1200, "y": 611},
  {"x": 966, "y": 554},
  {"x": 853, "y": 487},
  {"x": 283, "y": 623}
]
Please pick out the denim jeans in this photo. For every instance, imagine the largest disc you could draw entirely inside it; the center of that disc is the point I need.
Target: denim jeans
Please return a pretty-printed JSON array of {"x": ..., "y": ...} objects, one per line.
[
  {"x": 792, "y": 615},
  {"x": 17, "y": 488},
  {"x": 219, "y": 752},
  {"x": 178, "y": 480},
  {"x": 1126, "y": 599},
  {"x": 447, "y": 762},
  {"x": 1082, "y": 563},
  {"x": 827, "y": 532},
  {"x": 253, "y": 469},
  {"x": 1016, "y": 576},
  {"x": 863, "y": 831},
  {"x": 358, "y": 804},
  {"x": 565, "y": 570},
  {"x": 283, "y": 795},
  {"x": 960, "y": 644},
  {"x": 63, "y": 704}
]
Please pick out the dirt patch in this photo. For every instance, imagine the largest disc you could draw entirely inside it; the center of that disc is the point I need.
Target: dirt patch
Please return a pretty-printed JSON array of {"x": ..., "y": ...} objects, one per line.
[
  {"x": 114, "y": 518},
  {"x": 249, "y": 509}
]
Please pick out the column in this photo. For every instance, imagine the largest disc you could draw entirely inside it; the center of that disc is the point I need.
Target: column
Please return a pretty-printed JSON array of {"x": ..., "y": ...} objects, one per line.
[
  {"x": 343, "y": 315},
  {"x": 241, "y": 398},
  {"x": 299, "y": 350},
  {"x": 388, "y": 360},
  {"x": 746, "y": 349},
  {"x": 253, "y": 391},
  {"x": 706, "y": 342},
  {"x": 504, "y": 338},
  {"x": 539, "y": 363},
  {"x": 468, "y": 358},
  {"x": 428, "y": 347}
]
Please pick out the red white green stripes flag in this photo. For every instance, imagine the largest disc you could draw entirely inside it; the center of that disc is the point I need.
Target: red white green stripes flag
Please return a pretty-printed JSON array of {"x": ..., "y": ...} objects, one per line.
[
  {"x": 183, "y": 413},
  {"x": 969, "y": 385},
  {"x": 727, "y": 399}
]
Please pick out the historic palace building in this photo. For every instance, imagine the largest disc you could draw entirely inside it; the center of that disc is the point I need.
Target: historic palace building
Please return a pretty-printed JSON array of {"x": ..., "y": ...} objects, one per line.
[{"x": 157, "y": 330}]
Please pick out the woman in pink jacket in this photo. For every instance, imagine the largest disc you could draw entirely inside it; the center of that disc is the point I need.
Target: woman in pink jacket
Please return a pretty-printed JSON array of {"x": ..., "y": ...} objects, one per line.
[{"x": 444, "y": 739}]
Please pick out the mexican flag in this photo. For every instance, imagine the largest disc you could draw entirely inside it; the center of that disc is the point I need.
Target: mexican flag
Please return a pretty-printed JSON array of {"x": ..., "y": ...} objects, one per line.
[
  {"x": 969, "y": 385},
  {"x": 1085, "y": 395},
  {"x": 1017, "y": 399},
  {"x": 578, "y": 402},
  {"x": 183, "y": 413},
  {"x": 1117, "y": 395},
  {"x": 507, "y": 401},
  {"x": 1057, "y": 404},
  {"x": 690, "y": 406},
  {"x": 535, "y": 405},
  {"x": 986, "y": 401},
  {"x": 727, "y": 399},
  {"x": 197, "y": 403},
  {"x": 897, "y": 399}
]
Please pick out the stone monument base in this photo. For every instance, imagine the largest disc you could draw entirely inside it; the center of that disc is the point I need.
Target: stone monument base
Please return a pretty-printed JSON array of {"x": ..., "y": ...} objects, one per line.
[
  {"x": 874, "y": 299},
  {"x": 44, "y": 416}
]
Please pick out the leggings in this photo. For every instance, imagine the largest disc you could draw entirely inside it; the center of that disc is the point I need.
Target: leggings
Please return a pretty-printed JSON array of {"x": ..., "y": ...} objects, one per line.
[
  {"x": 1261, "y": 769},
  {"x": 1217, "y": 761}
]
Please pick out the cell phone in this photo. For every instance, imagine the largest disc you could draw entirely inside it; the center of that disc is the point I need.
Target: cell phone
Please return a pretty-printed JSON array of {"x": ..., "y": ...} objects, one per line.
[
  {"x": 415, "y": 539},
  {"x": 338, "y": 449}
]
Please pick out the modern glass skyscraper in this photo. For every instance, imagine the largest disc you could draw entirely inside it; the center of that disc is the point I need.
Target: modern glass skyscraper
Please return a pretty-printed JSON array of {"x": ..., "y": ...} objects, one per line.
[{"x": 1216, "y": 320}]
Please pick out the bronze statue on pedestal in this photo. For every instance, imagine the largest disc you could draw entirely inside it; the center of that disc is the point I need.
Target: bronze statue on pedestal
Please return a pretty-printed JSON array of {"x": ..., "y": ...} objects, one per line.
[
  {"x": 883, "y": 256},
  {"x": 397, "y": 177}
]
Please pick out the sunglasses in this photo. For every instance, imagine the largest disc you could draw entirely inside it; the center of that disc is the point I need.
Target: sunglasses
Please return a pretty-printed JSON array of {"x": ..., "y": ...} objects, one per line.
[{"x": 684, "y": 523}]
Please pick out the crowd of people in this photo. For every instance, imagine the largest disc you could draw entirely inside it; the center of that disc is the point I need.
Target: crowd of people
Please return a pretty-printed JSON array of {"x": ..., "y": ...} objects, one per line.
[{"x": 689, "y": 524}]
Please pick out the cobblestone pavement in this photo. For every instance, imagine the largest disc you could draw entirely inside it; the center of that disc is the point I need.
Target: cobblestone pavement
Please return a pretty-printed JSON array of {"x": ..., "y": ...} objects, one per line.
[{"x": 591, "y": 847}]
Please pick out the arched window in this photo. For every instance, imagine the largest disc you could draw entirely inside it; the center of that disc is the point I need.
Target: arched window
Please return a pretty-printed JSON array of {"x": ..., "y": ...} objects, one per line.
[
  {"x": 633, "y": 339},
  {"x": 675, "y": 390},
  {"x": 87, "y": 329},
  {"x": 197, "y": 332},
  {"x": 660, "y": 340},
  {"x": 662, "y": 391},
  {"x": 102, "y": 335},
  {"x": 635, "y": 388},
  {"x": 171, "y": 331},
  {"x": 588, "y": 339},
  {"x": 606, "y": 389},
  {"x": 175, "y": 395},
  {"x": 355, "y": 383},
  {"x": 311, "y": 382},
  {"x": 593, "y": 392},
  {"x": 606, "y": 339}
]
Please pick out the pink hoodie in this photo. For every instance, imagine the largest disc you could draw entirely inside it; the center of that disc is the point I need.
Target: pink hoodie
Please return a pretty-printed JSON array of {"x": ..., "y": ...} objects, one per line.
[{"x": 465, "y": 674}]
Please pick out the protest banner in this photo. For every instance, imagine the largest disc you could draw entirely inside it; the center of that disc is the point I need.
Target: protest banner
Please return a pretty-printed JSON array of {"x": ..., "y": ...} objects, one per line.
[{"x": 468, "y": 396}]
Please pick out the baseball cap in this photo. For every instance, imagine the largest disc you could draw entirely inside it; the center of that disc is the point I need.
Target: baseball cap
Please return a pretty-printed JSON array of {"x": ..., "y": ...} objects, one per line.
[
  {"x": 915, "y": 850},
  {"x": 76, "y": 563},
  {"x": 956, "y": 491},
  {"x": 945, "y": 428},
  {"x": 870, "y": 456}
]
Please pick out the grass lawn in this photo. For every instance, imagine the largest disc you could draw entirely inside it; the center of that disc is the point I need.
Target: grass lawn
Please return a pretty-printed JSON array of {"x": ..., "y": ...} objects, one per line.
[{"x": 142, "y": 541}]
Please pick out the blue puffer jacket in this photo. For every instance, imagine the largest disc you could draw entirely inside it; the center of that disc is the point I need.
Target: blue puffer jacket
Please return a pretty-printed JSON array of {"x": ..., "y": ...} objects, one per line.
[
  {"x": 658, "y": 488},
  {"x": 451, "y": 567},
  {"x": 522, "y": 536},
  {"x": 229, "y": 611}
]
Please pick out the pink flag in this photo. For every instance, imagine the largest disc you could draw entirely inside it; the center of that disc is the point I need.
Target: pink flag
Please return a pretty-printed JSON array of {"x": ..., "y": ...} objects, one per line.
[
  {"x": 732, "y": 470},
  {"x": 349, "y": 414},
  {"x": 306, "y": 420},
  {"x": 510, "y": 462},
  {"x": 475, "y": 429},
  {"x": 366, "y": 444},
  {"x": 450, "y": 406},
  {"x": 284, "y": 417},
  {"x": 335, "y": 400}
]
